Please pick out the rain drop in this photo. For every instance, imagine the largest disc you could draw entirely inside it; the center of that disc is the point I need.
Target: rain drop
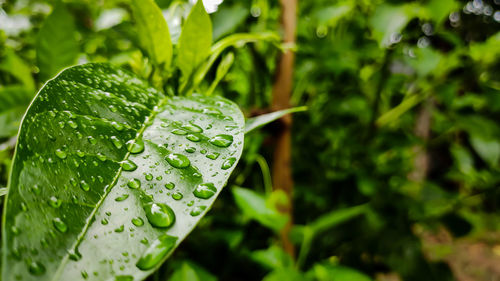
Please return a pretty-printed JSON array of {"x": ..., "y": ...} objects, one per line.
[
  {"x": 134, "y": 183},
  {"x": 178, "y": 160},
  {"x": 222, "y": 140},
  {"x": 128, "y": 165},
  {"x": 159, "y": 214},
  {"x": 59, "y": 225},
  {"x": 135, "y": 146},
  {"x": 205, "y": 190},
  {"x": 155, "y": 253},
  {"x": 228, "y": 163}
]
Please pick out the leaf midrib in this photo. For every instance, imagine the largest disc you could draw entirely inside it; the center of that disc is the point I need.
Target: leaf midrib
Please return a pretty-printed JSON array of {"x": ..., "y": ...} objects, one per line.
[{"x": 80, "y": 238}]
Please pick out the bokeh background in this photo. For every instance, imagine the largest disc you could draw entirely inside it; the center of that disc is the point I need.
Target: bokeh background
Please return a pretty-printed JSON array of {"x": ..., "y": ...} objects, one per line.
[{"x": 396, "y": 162}]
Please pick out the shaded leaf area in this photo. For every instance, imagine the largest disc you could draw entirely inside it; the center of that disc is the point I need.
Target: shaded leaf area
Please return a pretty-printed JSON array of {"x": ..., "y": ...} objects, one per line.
[
  {"x": 56, "y": 44},
  {"x": 113, "y": 175}
]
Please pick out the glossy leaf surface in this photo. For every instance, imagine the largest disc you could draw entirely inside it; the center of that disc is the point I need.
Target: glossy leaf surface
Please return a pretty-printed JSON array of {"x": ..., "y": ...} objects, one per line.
[{"x": 110, "y": 176}]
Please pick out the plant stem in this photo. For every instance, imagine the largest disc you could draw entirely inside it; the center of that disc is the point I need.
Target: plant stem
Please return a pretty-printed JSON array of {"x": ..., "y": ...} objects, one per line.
[{"x": 282, "y": 88}]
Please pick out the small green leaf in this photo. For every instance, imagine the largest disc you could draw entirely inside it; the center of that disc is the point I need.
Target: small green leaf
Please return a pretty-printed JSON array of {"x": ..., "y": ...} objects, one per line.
[
  {"x": 189, "y": 271},
  {"x": 153, "y": 31},
  {"x": 264, "y": 119},
  {"x": 13, "y": 103},
  {"x": 195, "y": 40},
  {"x": 103, "y": 174},
  {"x": 255, "y": 206},
  {"x": 337, "y": 273},
  {"x": 14, "y": 65},
  {"x": 222, "y": 70},
  {"x": 56, "y": 45}
]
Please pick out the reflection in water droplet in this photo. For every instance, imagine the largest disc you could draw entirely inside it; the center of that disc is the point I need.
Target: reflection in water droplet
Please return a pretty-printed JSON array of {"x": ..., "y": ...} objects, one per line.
[
  {"x": 222, "y": 140},
  {"x": 178, "y": 160},
  {"x": 59, "y": 225},
  {"x": 128, "y": 165},
  {"x": 190, "y": 149},
  {"x": 228, "y": 163},
  {"x": 149, "y": 177},
  {"x": 135, "y": 146},
  {"x": 159, "y": 214},
  {"x": 205, "y": 190},
  {"x": 155, "y": 253}
]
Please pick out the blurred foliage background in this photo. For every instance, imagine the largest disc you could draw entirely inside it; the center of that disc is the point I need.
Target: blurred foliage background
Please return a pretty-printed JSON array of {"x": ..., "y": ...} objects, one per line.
[{"x": 396, "y": 163}]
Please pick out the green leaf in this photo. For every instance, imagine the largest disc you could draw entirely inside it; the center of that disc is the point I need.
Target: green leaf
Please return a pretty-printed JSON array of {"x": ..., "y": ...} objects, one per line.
[
  {"x": 256, "y": 206},
  {"x": 222, "y": 70},
  {"x": 13, "y": 103},
  {"x": 195, "y": 40},
  {"x": 388, "y": 20},
  {"x": 272, "y": 258},
  {"x": 101, "y": 164},
  {"x": 264, "y": 119},
  {"x": 337, "y": 273},
  {"x": 14, "y": 65},
  {"x": 153, "y": 31},
  {"x": 191, "y": 272},
  {"x": 56, "y": 45}
]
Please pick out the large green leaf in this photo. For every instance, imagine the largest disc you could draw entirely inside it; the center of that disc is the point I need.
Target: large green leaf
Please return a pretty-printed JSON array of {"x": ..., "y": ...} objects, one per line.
[
  {"x": 153, "y": 31},
  {"x": 56, "y": 45},
  {"x": 110, "y": 175},
  {"x": 195, "y": 40}
]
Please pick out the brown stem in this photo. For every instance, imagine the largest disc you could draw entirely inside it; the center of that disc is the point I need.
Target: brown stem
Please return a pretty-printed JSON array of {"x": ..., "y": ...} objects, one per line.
[
  {"x": 422, "y": 130},
  {"x": 282, "y": 88}
]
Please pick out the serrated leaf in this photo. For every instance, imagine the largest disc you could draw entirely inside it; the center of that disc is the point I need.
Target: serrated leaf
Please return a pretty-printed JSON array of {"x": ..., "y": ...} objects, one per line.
[
  {"x": 264, "y": 119},
  {"x": 195, "y": 40},
  {"x": 153, "y": 31},
  {"x": 56, "y": 44},
  {"x": 83, "y": 202}
]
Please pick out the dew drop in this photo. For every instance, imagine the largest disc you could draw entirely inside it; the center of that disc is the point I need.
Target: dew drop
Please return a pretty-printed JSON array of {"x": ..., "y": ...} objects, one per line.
[
  {"x": 104, "y": 221},
  {"x": 128, "y": 165},
  {"x": 205, "y": 190},
  {"x": 120, "y": 229},
  {"x": 213, "y": 155},
  {"x": 134, "y": 183},
  {"x": 159, "y": 214},
  {"x": 122, "y": 197},
  {"x": 177, "y": 196},
  {"x": 193, "y": 138},
  {"x": 222, "y": 140},
  {"x": 192, "y": 127},
  {"x": 84, "y": 185},
  {"x": 36, "y": 268},
  {"x": 135, "y": 146},
  {"x": 228, "y": 163},
  {"x": 116, "y": 142},
  {"x": 117, "y": 126},
  {"x": 197, "y": 210},
  {"x": 60, "y": 225},
  {"x": 55, "y": 202},
  {"x": 138, "y": 221},
  {"x": 178, "y": 132},
  {"x": 72, "y": 124},
  {"x": 169, "y": 185},
  {"x": 178, "y": 160},
  {"x": 61, "y": 154},
  {"x": 190, "y": 149},
  {"x": 149, "y": 177},
  {"x": 92, "y": 140},
  {"x": 155, "y": 253}
]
